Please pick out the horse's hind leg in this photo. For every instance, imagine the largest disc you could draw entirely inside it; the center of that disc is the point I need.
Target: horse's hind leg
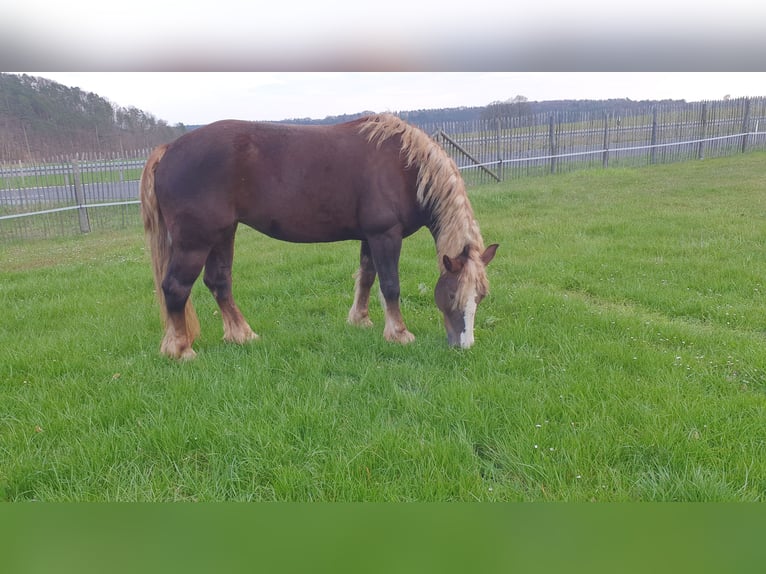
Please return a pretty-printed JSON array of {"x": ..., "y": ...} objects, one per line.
[
  {"x": 365, "y": 277},
  {"x": 218, "y": 279},
  {"x": 181, "y": 324}
]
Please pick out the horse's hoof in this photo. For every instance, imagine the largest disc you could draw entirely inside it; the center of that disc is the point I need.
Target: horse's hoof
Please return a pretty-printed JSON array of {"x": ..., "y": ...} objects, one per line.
[
  {"x": 187, "y": 354},
  {"x": 402, "y": 337},
  {"x": 176, "y": 348},
  {"x": 240, "y": 336},
  {"x": 242, "y": 340},
  {"x": 359, "y": 320}
]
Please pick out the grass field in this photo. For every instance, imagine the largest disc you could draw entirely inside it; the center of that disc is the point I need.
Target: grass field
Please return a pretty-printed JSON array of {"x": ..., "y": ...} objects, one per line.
[{"x": 620, "y": 356}]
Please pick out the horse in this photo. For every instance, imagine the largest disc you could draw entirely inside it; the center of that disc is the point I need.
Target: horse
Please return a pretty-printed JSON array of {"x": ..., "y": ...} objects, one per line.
[{"x": 376, "y": 179}]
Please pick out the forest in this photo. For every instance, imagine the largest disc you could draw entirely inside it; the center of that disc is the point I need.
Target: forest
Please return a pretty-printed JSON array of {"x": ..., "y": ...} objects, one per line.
[{"x": 40, "y": 118}]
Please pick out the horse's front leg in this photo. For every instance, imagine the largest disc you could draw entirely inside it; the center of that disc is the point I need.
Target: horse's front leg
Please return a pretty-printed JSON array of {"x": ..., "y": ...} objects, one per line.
[{"x": 385, "y": 251}]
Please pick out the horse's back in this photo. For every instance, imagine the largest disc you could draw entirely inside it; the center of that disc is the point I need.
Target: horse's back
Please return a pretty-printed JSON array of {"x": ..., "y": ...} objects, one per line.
[
  {"x": 235, "y": 152},
  {"x": 296, "y": 183}
]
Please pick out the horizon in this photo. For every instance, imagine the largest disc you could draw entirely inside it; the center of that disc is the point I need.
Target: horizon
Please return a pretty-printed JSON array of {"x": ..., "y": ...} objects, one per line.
[{"x": 199, "y": 98}]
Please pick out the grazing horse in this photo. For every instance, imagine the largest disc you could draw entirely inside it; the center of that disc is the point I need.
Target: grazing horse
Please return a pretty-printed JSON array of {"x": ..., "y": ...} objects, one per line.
[{"x": 376, "y": 180}]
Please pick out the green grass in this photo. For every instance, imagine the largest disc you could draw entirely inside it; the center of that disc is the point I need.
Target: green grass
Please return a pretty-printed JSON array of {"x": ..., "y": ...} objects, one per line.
[
  {"x": 66, "y": 223},
  {"x": 620, "y": 356},
  {"x": 50, "y": 176}
]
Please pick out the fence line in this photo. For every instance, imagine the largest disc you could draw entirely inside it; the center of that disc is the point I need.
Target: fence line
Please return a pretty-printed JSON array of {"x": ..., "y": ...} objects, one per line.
[
  {"x": 562, "y": 141},
  {"x": 69, "y": 208},
  {"x": 70, "y": 195},
  {"x": 601, "y": 151}
]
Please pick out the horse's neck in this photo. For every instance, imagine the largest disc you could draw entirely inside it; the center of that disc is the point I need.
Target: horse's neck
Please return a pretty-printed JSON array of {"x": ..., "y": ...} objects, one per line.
[{"x": 454, "y": 231}]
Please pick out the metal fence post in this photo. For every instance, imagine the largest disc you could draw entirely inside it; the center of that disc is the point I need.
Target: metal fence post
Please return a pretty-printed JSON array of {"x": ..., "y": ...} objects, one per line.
[
  {"x": 653, "y": 152},
  {"x": 79, "y": 196},
  {"x": 499, "y": 150},
  {"x": 745, "y": 125},
  {"x": 605, "y": 159},
  {"x": 552, "y": 141},
  {"x": 703, "y": 129}
]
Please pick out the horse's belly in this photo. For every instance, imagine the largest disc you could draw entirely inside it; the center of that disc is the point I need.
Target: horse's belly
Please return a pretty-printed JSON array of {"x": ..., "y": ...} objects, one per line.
[{"x": 287, "y": 229}]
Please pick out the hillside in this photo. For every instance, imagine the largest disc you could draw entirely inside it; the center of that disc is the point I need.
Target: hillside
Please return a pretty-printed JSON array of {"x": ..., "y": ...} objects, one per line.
[{"x": 40, "y": 118}]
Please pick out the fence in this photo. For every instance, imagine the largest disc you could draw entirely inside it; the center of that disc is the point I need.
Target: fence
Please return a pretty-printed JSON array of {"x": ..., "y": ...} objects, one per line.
[
  {"x": 76, "y": 195},
  {"x": 503, "y": 148},
  {"x": 68, "y": 195}
]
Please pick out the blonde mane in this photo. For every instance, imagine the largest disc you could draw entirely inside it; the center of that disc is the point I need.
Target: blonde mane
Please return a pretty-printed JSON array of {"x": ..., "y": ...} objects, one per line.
[{"x": 441, "y": 191}]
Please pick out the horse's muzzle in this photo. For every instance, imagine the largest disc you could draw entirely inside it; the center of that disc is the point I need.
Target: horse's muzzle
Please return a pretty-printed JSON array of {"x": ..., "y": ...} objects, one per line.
[{"x": 462, "y": 340}]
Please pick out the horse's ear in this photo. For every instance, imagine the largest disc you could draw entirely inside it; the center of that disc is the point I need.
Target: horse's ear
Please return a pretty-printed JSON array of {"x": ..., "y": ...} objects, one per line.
[
  {"x": 452, "y": 265},
  {"x": 489, "y": 253}
]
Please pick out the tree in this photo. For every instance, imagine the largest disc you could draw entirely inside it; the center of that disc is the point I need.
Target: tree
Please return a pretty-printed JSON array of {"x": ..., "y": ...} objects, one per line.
[
  {"x": 40, "y": 118},
  {"x": 516, "y": 107}
]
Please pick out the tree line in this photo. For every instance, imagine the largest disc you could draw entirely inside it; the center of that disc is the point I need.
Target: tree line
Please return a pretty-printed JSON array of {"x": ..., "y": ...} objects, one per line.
[
  {"x": 518, "y": 106},
  {"x": 40, "y": 118}
]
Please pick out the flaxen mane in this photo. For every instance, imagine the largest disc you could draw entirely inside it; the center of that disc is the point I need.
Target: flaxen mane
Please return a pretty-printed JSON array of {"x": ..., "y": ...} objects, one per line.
[{"x": 441, "y": 191}]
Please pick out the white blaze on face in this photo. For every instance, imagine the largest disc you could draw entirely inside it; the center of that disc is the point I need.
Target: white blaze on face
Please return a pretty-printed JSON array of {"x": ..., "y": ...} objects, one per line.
[{"x": 469, "y": 314}]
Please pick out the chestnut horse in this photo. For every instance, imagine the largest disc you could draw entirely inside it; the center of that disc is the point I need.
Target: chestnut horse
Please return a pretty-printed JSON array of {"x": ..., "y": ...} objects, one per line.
[{"x": 375, "y": 180}]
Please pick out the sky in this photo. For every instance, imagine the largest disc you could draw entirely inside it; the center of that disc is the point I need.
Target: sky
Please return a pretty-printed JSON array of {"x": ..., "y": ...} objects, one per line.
[
  {"x": 395, "y": 35},
  {"x": 392, "y": 35},
  {"x": 195, "y": 98},
  {"x": 304, "y": 58}
]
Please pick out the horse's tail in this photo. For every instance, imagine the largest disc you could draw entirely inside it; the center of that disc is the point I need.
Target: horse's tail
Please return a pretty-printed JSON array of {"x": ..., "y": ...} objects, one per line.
[{"x": 158, "y": 239}]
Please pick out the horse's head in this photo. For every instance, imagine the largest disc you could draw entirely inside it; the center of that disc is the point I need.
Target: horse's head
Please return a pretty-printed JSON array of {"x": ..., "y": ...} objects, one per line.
[{"x": 460, "y": 289}]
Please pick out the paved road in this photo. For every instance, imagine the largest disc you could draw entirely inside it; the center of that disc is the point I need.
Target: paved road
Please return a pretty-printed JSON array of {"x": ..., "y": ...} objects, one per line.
[{"x": 41, "y": 197}]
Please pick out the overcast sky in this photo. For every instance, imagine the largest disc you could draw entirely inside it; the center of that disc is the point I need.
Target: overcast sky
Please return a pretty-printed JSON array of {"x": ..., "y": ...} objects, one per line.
[
  {"x": 391, "y": 35},
  {"x": 433, "y": 40},
  {"x": 251, "y": 44},
  {"x": 202, "y": 97}
]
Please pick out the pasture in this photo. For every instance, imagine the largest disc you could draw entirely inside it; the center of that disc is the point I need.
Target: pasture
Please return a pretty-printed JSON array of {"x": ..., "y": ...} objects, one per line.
[{"x": 620, "y": 356}]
